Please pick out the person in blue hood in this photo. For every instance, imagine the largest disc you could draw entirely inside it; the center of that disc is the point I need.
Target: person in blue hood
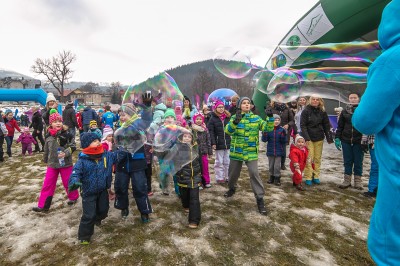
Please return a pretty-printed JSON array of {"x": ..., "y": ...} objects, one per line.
[{"x": 383, "y": 86}]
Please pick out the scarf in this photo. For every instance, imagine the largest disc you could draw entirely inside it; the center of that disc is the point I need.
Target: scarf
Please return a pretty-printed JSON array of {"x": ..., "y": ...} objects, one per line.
[
  {"x": 109, "y": 144},
  {"x": 53, "y": 131},
  {"x": 201, "y": 128},
  {"x": 93, "y": 150}
]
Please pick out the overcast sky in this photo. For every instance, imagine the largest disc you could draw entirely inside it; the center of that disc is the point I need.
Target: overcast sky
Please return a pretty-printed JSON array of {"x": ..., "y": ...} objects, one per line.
[{"x": 130, "y": 41}]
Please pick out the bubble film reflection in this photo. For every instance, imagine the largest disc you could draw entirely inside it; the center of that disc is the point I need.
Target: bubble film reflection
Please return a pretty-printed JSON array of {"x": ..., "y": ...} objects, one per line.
[{"x": 232, "y": 63}]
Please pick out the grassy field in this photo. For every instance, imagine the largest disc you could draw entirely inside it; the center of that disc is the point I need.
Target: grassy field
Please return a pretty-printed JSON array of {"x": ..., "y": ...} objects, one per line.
[{"x": 321, "y": 226}]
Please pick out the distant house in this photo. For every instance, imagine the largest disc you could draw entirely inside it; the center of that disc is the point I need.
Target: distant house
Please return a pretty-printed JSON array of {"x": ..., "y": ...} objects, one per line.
[
  {"x": 19, "y": 83},
  {"x": 86, "y": 98}
]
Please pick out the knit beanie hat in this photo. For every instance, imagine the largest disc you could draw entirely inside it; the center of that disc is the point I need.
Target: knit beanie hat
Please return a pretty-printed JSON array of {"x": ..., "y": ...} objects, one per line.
[
  {"x": 169, "y": 112},
  {"x": 69, "y": 103},
  {"x": 276, "y": 116},
  {"x": 297, "y": 138},
  {"x": 50, "y": 97},
  {"x": 218, "y": 103},
  {"x": 87, "y": 138},
  {"x": 100, "y": 111},
  {"x": 92, "y": 123},
  {"x": 107, "y": 130},
  {"x": 54, "y": 116},
  {"x": 129, "y": 109},
  {"x": 26, "y": 129},
  {"x": 81, "y": 107},
  {"x": 198, "y": 115},
  {"x": 241, "y": 101},
  {"x": 8, "y": 111}
]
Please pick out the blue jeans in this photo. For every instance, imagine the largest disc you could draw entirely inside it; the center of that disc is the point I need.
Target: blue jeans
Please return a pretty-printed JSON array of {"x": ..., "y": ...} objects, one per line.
[
  {"x": 139, "y": 187},
  {"x": 353, "y": 157},
  {"x": 9, "y": 141},
  {"x": 373, "y": 172}
]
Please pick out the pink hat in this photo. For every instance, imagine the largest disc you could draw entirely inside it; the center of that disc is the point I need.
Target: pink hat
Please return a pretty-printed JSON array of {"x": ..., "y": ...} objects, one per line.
[
  {"x": 55, "y": 117},
  {"x": 218, "y": 103},
  {"x": 26, "y": 129},
  {"x": 197, "y": 115}
]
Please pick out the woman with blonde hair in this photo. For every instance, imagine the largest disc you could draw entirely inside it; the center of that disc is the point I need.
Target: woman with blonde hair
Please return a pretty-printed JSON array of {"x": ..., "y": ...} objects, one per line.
[{"x": 315, "y": 126}]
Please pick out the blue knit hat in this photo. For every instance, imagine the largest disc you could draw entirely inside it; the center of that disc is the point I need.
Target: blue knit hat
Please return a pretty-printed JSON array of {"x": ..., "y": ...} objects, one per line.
[{"x": 87, "y": 138}]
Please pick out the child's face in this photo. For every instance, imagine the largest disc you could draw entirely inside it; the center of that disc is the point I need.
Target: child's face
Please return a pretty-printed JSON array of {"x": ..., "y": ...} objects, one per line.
[
  {"x": 93, "y": 126},
  {"x": 95, "y": 143},
  {"x": 234, "y": 102},
  {"x": 220, "y": 109},
  {"x": 199, "y": 121},
  {"x": 187, "y": 138},
  {"x": 109, "y": 138},
  {"x": 277, "y": 122},
  {"x": 124, "y": 117},
  {"x": 300, "y": 143},
  {"x": 56, "y": 124},
  {"x": 9, "y": 116},
  {"x": 245, "y": 106},
  {"x": 186, "y": 103},
  {"x": 169, "y": 120}
]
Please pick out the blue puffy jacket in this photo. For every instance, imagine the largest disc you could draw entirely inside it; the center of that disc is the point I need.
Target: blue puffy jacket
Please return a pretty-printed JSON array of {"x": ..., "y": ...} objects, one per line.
[
  {"x": 88, "y": 115},
  {"x": 276, "y": 141},
  {"x": 95, "y": 175}
]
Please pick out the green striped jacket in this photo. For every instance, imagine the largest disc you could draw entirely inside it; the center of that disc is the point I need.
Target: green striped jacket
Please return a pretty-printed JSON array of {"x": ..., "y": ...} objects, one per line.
[{"x": 245, "y": 135}]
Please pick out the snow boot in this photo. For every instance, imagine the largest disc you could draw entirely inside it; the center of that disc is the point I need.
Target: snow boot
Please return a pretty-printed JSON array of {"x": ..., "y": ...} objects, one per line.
[
  {"x": 277, "y": 181},
  {"x": 300, "y": 187},
  {"x": 346, "y": 182},
  {"x": 357, "y": 182},
  {"x": 261, "y": 207},
  {"x": 229, "y": 193},
  {"x": 271, "y": 179}
]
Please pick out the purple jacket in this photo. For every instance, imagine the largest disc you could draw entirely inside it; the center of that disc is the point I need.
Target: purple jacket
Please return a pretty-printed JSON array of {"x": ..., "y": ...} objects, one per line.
[{"x": 26, "y": 139}]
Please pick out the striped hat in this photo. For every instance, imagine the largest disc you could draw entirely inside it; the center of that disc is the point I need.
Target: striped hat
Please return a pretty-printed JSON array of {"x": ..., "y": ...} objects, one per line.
[{"x": 93, "y": 123}]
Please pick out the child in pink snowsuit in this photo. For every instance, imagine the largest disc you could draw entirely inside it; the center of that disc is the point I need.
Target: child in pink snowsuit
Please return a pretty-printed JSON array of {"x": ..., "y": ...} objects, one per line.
[
  {"x": 26, "y": 139},
  {"x": 57, "y": 155}
]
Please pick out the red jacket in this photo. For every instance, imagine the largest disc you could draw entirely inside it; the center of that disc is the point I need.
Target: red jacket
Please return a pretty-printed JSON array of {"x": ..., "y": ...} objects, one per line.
[
  {"x": 79, "y": 120},
  {"x": 298, "y": 156},
  {"x": 11, "y": 125}
]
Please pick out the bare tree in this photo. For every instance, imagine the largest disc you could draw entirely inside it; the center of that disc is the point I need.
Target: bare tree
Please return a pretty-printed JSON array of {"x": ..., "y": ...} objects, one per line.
[{"x": 57, "y": 70}]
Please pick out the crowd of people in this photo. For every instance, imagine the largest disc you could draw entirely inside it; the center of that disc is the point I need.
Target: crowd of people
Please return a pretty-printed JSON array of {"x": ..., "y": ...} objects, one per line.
[{"x": 230, "y": 134}]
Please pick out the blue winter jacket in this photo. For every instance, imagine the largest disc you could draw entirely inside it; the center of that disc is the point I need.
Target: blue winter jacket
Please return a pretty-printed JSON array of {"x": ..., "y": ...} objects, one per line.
[
  {"x": 88, "y": 115},
  {"x": 379, "y": 113},
  {"x": 109, "y": 118},
  {"x": 95, "y": 175},
  {"x": 276, "y": 141}
]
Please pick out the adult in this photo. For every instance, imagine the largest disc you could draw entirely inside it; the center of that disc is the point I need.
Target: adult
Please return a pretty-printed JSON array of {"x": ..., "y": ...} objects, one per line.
[
  {"x": 108, "y": 117},
  {"x": 69, "y": 119},
  {"x": 37, "y": 125},
  {"x": 301, "y": 104},
  {"x": 233, "y": 108},
  {"x": 99, "y": 120},
  {"x": 383, "y": 83},
  {"x": 79, "y": 119},
  {"x": 188, "y": 110},
  {"x": 220, "y": 141},
  {"x": 24, "y": 120},
  {"x": 51, "y": 103},
  {"x": 315, "y": 126},
  {"x": 348, "y": 139},
  {"x": 206, "y": 113},
  {"x": 287, "y": 122},
  {"x": 368, "y": 140},
  {"x": 88, "y": 115},
  {"x": 11, "y": 125},
  {"x": 3, "y": 134}
]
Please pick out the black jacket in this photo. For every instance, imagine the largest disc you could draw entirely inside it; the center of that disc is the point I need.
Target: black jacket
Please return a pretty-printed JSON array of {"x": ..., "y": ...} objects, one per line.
[
  {"x": 287, "y": 118},
  {"x": 315, "y": 125},
  {"x": 345, "y": 130},
  {"x": 190, "y": 174},
  {"x": 69, "y": 117},
  {"x": 217, "y": 132},
  {"x": 37, "y": 122}
]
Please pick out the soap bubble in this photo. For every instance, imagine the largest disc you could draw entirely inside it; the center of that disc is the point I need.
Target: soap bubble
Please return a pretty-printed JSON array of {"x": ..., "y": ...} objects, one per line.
[
  {"x": 224, "y": 95},
  {"x": 232, "y": 63}
]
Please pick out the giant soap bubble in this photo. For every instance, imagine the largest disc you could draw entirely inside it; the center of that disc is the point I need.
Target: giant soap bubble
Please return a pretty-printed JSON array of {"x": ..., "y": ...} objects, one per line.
[
  {"x": 232, "y": 62},
  {"x": 224, "y": 95}
]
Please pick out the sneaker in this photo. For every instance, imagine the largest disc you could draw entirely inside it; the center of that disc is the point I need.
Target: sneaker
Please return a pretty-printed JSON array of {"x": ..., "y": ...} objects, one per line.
[
  {"x": 145, "y": 218},
  {"x": 229, "y": 193},
  {"x": 37, "y": 209},
  {"x": 208, "y": 185},
  {"x": 369, "y": 194},
  {"x": 308, "y": 182},
  {"x": 300, "y": 187},
  {"x": 193, "y": 226},
  {"x": 200, "y": 187},
  {"x": 71, "y": 202},
  {"x": 124, "y": 213},
  {"x": 84, "y": 242},
  {"x": 316, "y": 181},
  {"x": 149, "y": 194}
]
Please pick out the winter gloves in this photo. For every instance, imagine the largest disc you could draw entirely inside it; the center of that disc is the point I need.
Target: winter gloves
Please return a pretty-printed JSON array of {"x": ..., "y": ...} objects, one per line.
[
  {"x": 74, "y": 186},
  {"x": 365, "y": 148},
  {"x": 238, "y": 117},
  {"x": 338, "y": 144}
]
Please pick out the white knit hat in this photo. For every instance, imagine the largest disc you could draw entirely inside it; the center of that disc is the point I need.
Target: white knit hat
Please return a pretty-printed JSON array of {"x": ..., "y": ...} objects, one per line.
[
  {"x": 297, "y": 138},
  {"x": 107, "y": 130},
  {"x": 50, "y": 97}
]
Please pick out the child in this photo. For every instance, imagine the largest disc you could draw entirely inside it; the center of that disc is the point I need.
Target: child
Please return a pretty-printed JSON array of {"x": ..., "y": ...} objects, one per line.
[
  {"x": 298, "y": 160},
  {"x": 180, "y": 121},
  {"x": 3, "y": 133},
  {"x": 94, "y": 129},
  {"x": 133, "y": 163},
  {"x": 11, "y": 125},
  {"x": 107, "y": 139},
  {"x": 189, "y": 177},
  {"x": 276, "y": 143},
  {"x": 188, "y": 110},
  {"x": 92, "y": 172},
  {"x": 58, "y": 157},
  {"x": 203, "y": 140},
  {"x": 244, "y": 129},
  {"x": 26, "y": 139},
  {"x": 220, "y": 141}
]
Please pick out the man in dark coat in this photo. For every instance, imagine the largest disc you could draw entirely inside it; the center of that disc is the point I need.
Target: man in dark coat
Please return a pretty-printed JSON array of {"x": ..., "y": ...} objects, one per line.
[
  {"x": 69, "y": 119},
  {"x": 37, "y": 125}
]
